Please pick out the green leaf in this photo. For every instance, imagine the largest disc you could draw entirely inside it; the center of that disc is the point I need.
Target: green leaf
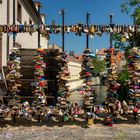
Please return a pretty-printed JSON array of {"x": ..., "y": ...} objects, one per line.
[{"x": 133, "y": 2}]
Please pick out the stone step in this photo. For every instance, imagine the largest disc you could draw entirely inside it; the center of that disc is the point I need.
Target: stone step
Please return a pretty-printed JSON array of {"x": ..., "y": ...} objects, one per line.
[
  {"x": 26, "y": 92},
  {"x": 27, "y": 72},
  {"x": 25, "y": 69},
  {"x": 27, "y": 80},
  {"x": 27, "y": 88},
  {"x": 28, "y": 57},
  {"x": 27, "y": 76},
  {"x": 27, "y": 52},
  {"x": 26, "y": 83},
  {"x": 27, "y": 63}
]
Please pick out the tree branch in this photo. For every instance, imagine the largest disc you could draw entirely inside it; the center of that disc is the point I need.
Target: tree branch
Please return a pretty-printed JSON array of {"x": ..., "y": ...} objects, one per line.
[{"x": 138, "y": 5}]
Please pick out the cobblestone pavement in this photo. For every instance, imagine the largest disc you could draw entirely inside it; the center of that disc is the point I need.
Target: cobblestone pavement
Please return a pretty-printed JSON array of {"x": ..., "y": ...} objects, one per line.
[{"x": 94, "y": 132}]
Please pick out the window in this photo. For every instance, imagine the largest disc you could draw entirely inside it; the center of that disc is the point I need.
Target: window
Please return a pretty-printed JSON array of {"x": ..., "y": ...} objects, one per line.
[
  {"x": 19, "y": 12},
  {"x": 30, "y": 21}
]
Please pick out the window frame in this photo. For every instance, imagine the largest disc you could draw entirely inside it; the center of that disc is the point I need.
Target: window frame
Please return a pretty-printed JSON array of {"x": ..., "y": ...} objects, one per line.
[
  {"x": 30, "y": 21},
  {"x": 19, "y": 17}
]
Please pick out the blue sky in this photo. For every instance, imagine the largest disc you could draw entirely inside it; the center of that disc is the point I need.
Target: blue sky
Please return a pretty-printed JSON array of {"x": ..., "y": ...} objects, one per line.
[{"x": 75, "y": 12}]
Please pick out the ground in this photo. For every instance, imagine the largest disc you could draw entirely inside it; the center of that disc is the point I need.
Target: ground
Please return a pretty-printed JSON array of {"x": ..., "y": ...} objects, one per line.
[
  {"x": 94, "y": 132},
  {"x": 78, "y": 130},
  {"x": 125, "y": 129}
]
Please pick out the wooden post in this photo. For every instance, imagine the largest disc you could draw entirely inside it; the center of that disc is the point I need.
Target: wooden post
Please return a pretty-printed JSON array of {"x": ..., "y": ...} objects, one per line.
[
  {"x": 87, "y": 36},
  {"x": 38, "y": 26},
  {"x": 111, "y": 33},
  {"x": 14, "y": 22},
  {"x": 63, "y": 33}
]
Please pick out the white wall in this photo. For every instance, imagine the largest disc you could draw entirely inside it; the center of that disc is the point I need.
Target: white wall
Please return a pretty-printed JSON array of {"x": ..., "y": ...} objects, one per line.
[
  {"x": 101, "y": 57},
  {"x": 3, "y": 20},
  {"x": 75, "y": 84},
  {"x": 24, "y": 39},
  {"x": 43, "y": 42},
  {"x": 2, "y": 11},
  {"x": 75, "y": 69}
]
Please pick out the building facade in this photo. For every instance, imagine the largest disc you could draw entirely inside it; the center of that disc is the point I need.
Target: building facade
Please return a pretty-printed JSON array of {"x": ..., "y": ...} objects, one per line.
[
  {"x": 25, "y": 13},
  {"x": 74, "y": 66},
  {"x": 101, "y": 54}
]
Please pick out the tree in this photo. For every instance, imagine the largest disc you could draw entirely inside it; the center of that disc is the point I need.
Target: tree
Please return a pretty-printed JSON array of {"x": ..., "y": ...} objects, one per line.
[
  {"x": 123, "y": 76},
  {"x": 126, "y": 8},
  {"x": 99, "y": 66}
]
